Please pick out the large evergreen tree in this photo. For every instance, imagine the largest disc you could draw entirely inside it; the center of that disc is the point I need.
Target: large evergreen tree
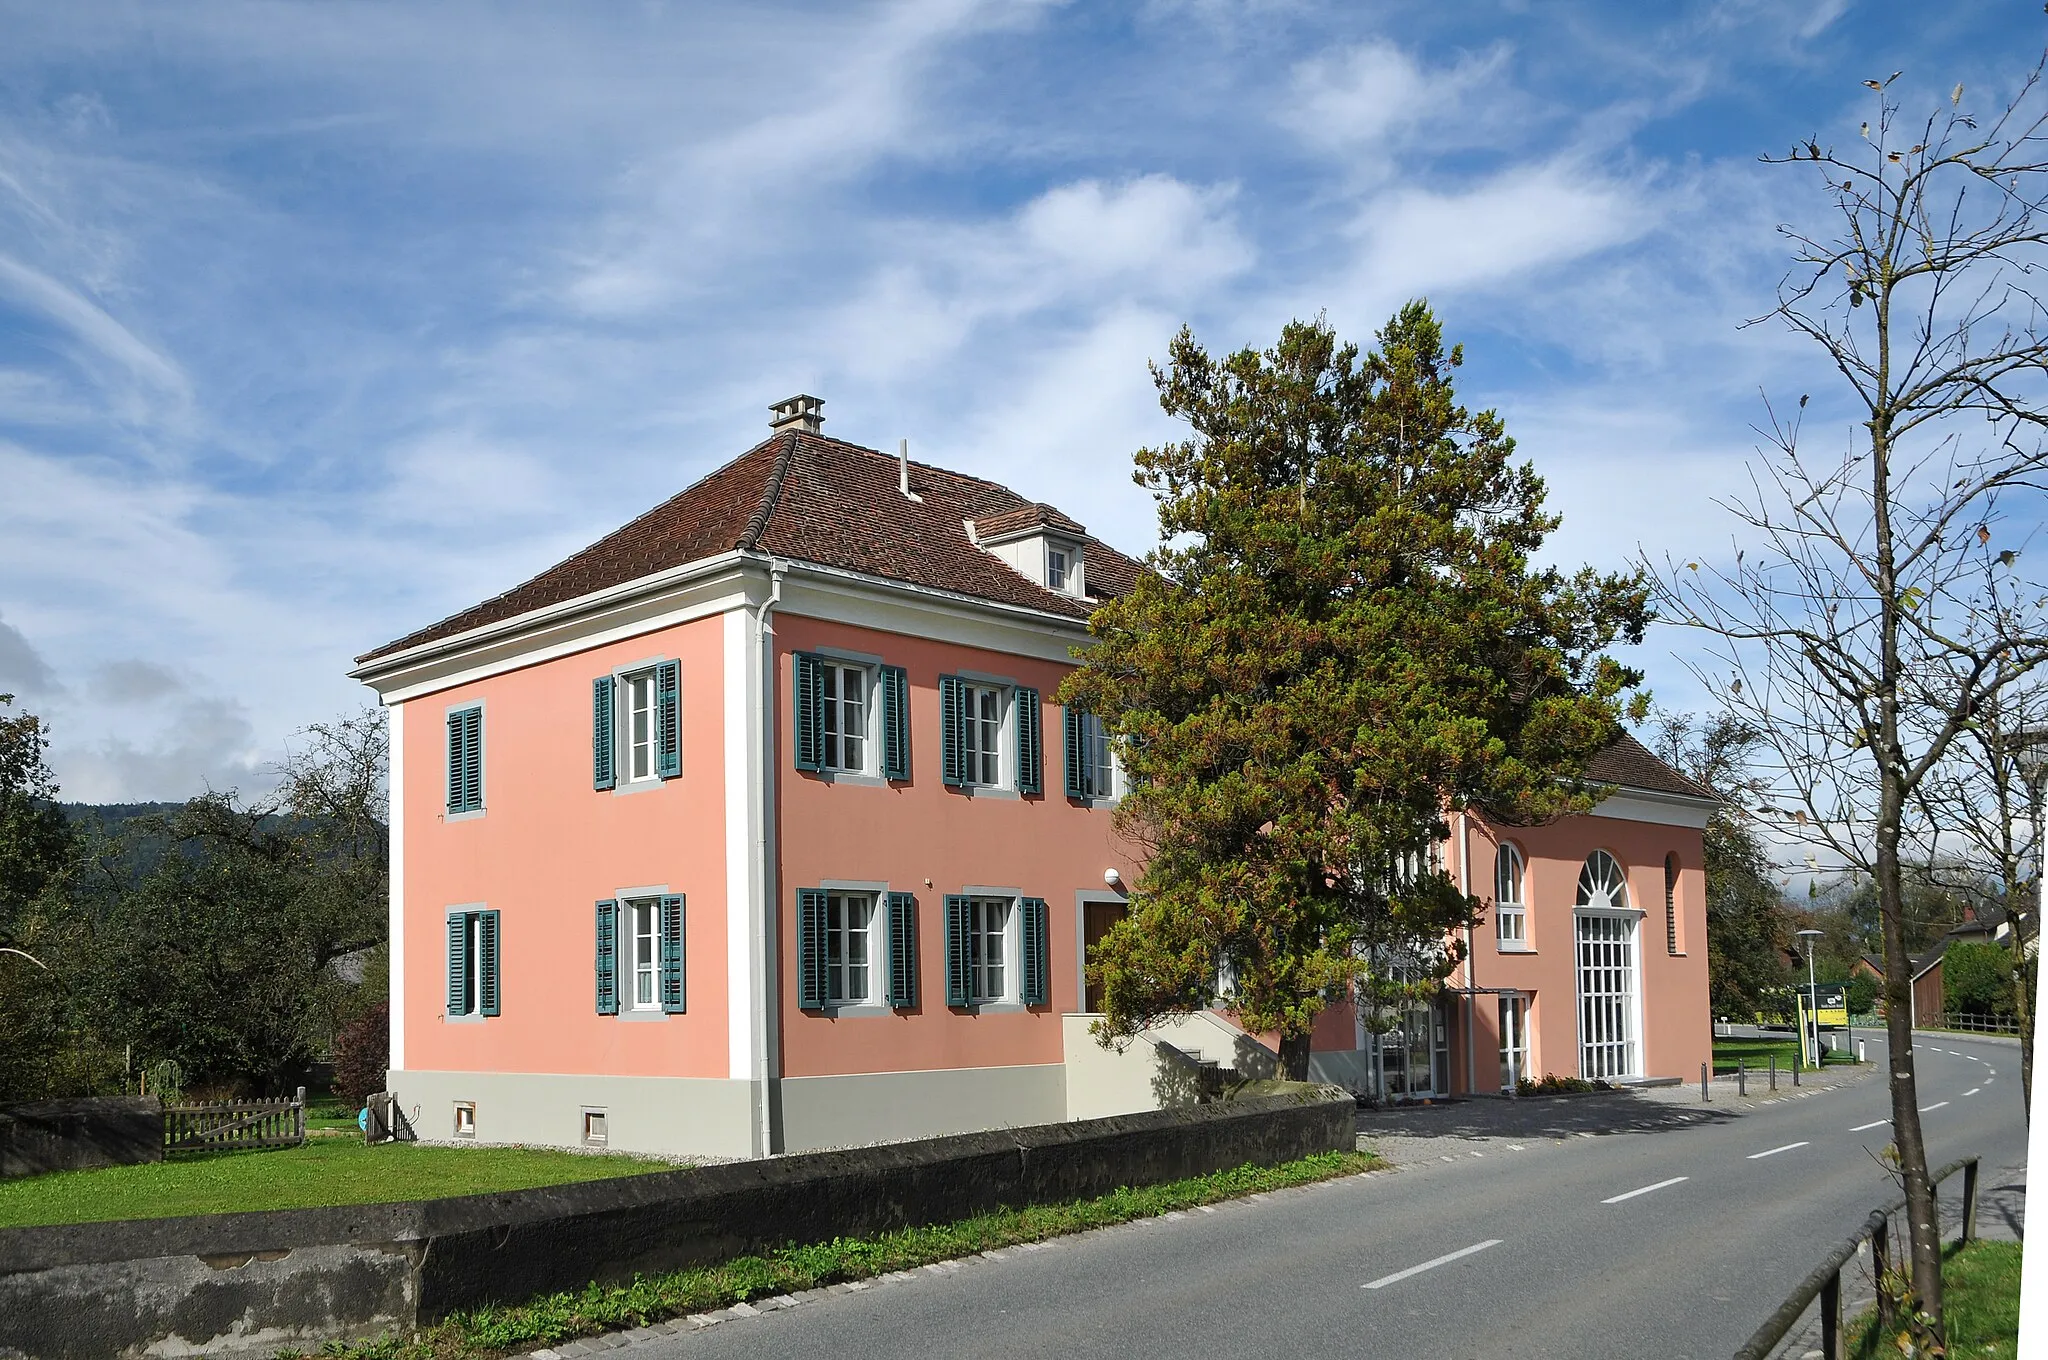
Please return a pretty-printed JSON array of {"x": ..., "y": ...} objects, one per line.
[{"x": 1342, "y": 641}]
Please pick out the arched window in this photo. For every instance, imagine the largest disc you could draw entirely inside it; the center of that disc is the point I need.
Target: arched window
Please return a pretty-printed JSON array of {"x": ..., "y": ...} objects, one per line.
[
  {"x": 1671, "y": 903},
  {"x": 1601, "y": 884},
  {"x": 1510, "y": 916}
]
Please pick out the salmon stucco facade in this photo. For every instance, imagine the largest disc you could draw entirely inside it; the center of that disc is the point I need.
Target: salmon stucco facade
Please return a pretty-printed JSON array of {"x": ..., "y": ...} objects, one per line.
[{"x": 755, "y": 827}]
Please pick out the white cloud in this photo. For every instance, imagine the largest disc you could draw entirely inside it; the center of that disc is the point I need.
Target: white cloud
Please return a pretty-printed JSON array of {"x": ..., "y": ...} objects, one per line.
[
  {"x": 22, "y": 669},
  {"x": 1369, "y": 101}
]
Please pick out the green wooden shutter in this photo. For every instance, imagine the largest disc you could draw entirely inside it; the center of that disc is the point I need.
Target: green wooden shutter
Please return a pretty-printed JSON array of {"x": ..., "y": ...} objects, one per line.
[
  {"x": 604, "y": 772},
  {"x": 668, "y": 699},
  {"x": 673, "y": 919},
  {"x": 1030, "y": 742},
  {"x": 810, "y": 717},
  {"x": 952, "y": 730},
  {"x": 959, "y": 922},
  {"x": 473, "y": 759},
  {"x": 810, "y": 948},
  {"x": 458, "y": 963},
  {"x": 902, "y": 950},
  {"x": 1036, "y": 948},
  {"x": 1071, "y": 733},
  {"x": 455, "y": 804},
  {"x": 895, "y": 723},
  {"x": 608, "y": 957},
  {"x": 487, "y": 962}
]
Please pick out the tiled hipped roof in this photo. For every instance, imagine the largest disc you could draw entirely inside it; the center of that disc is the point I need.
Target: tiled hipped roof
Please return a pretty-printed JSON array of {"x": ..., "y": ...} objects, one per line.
[
  {"x": 804, "y": 496},
  {"x": 1630, "y": 764}
]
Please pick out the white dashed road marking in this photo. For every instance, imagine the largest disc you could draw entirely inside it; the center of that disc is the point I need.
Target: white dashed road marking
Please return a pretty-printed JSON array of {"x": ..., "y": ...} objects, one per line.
[
  {"x": 1935, "y": 1106},
  {"x": 1775, "y": 1151},
  {"x": 1973, "y": 1090},
  {"x": 1873, "y": 1124},
  {"x": 1383, "y": 1281},
  {"x": 1644, "y": 1191}
]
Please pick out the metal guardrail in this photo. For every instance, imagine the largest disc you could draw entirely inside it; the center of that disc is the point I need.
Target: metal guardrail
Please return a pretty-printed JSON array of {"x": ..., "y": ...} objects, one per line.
[{"x": 1825, "y": 1283}]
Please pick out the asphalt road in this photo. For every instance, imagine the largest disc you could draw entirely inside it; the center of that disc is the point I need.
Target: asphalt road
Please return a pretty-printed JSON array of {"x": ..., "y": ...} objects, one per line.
[{"x": 1668, "y": 1243}]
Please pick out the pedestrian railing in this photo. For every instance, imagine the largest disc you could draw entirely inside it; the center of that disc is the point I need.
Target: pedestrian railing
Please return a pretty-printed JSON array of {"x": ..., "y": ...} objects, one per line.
[
  {"x": 1977, "y": 1024},
  {"x": 1825, "y": 1283},
  {"x": 236, "y": 1124}
]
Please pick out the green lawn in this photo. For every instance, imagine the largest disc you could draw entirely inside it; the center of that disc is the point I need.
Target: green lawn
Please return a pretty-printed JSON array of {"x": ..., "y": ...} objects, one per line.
[
  {"x": 1756, "y": 1054},
  {"x": 1980, "y": 1305},
  {"x": 324, "y": 1171}
]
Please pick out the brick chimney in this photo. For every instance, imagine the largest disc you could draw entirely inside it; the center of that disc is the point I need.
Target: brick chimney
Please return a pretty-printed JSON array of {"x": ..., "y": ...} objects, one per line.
[{"x": 797, "y": 413}]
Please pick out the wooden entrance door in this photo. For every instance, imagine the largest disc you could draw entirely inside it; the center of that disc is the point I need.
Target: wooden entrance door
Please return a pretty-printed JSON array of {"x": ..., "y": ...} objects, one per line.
[{"x": 1096, "y": 919}]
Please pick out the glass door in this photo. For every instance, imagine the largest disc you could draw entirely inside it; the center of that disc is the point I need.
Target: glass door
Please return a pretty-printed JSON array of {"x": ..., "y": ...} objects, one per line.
[{"x": 1607, "y": 996}]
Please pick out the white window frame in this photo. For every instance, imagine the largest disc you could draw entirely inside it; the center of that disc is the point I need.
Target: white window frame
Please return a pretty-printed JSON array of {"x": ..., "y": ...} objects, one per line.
[
  {"x": 633, "y": 909},
  {"x": 629, "y": 747},
  {"x": 833, "y": 709},
  {"x": 1510, "y": 905},
  {"x": 839, "y": 936},
  {"x": 979, "y": 906},
  {"x": 1596, "y": 902},
  {"x": 465, "y": 1119},
  {"x": 596, "y": 1127},
  {"x": 1512, "y": 1017},
  {"x": 1004, "y": 752},
  {"x": 1058, "y": 563},
  {"x": 1094, "y": 735}
]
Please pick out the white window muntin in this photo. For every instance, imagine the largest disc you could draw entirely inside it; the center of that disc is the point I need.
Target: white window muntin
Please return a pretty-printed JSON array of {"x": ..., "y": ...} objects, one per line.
[
  {"x": 1099, "y": 770},
  {"x": 1514, "y": 1041},
  {"x": 638, "y": 724},
  {"x": 851, "y": 956},
  {"x": 846, "y": 700},
  {"x": 1510, "y": 909},
  {"x": 985, "y": 744},
  {"x": 991, "y": 950},
  {"x": 1610, "y": 996},
  {"x": 642, "y": 941},
  {"x": 1056, "y": 568}
]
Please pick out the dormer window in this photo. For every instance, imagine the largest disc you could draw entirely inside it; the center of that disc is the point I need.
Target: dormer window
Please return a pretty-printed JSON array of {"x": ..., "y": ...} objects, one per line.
[
  {"x": 1056, "y": 568},
  {"x": 1040, "y": 542}
]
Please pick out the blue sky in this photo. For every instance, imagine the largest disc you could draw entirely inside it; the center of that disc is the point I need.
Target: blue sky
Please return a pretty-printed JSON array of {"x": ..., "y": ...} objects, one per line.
[{"x": 319, "y": 322}]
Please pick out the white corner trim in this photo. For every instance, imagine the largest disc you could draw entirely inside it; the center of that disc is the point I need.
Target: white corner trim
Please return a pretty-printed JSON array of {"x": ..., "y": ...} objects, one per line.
[
  {"x": 395, "y": 777},
  {"x": 739, "y": 816}
]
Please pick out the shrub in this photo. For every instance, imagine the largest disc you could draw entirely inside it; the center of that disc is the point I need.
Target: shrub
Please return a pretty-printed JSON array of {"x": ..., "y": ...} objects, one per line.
[
  {"x": 1553, "y": 1085},
  {"x": 362, "y": 1050},
  {"x": 1976, "y": 979}
]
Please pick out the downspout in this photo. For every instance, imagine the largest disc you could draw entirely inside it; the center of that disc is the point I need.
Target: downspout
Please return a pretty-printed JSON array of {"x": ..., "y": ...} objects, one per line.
[
  {"x": 768, "y": 1015},
  {"x": 1471, "y": 958}
]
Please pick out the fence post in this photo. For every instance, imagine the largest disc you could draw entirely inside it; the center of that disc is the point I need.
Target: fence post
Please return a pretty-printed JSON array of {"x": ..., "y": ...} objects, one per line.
[
  {"x": 1704, "y": 1094},
  {"x": 1774, "y": 1072},
  {"x": 1831, "y": 1317},
  {"x": 1880, "y": 1265},
  {"x": 1741, "y": 1078},
  {"x": 1970, "y": 1200},
  {"x": 299, "y": 1122}
]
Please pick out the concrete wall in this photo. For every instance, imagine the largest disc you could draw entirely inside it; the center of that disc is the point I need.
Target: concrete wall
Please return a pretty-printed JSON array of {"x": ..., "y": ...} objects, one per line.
[
  {"x": 664, "y": 1116},
  {"x": 248, "y": 1284},
  {"x": 888, "y": 1107},
  {"x": 75, "y": 1135}
]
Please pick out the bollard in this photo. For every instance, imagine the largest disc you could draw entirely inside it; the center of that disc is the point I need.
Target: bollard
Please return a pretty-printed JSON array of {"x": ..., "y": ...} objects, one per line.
[
  {"x": 1704, "y": 1095},
  {"x": 1861, "y": 1055},
  {"x": 1970, "y": 1200},
  {"x": 1741, "y": 1080},
  {"x": 1795, "y": 1074},
  {"x": 1774, "y": 1072}
]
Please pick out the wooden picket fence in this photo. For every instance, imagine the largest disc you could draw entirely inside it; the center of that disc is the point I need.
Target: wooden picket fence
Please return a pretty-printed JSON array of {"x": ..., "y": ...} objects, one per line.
[{"x": 236, "y": 1124}]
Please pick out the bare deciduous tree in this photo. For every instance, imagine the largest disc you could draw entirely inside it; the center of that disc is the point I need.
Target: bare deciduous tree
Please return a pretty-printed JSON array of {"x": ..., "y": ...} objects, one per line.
[{"x": 1879, "y": 598}]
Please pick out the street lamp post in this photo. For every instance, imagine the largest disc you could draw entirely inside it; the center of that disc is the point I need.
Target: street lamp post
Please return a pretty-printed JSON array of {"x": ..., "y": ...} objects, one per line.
[{"x": 1811, "y": 1047}]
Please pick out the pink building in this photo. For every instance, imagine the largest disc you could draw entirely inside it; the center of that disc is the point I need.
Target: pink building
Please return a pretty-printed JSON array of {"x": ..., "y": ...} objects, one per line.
[{"x": 753, "y": 827}]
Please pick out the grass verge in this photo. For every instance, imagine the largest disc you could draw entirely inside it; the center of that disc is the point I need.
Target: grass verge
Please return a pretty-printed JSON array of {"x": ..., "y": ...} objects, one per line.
[
  {"x": 599, "y": 1308},
  {"x": 325, "y": 1171},
  {"x": 1980, "y": 1306}
]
